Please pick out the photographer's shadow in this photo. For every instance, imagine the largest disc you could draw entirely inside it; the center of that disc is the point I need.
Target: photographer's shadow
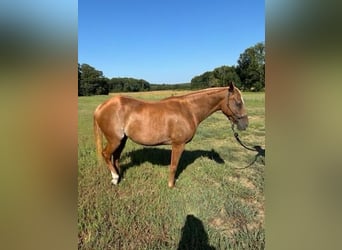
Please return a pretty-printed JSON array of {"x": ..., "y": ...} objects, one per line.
[{"x": 194, "y": 236}]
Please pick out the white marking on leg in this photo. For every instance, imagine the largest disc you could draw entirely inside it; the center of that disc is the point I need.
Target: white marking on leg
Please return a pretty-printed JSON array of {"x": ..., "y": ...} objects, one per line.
[{"x": 115, "y": 179}]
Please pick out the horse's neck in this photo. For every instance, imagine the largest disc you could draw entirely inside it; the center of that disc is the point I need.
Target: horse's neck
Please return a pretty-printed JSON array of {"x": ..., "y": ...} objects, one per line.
[{"x": 206, "y": 103}]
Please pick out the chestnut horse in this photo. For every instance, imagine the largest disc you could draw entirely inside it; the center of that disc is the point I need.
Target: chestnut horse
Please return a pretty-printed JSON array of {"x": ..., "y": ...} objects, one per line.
[{"x": 171, "y": 121}]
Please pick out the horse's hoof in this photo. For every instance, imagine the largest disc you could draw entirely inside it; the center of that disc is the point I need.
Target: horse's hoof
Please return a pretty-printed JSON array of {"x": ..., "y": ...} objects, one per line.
[{"x": 115, "y": 181}]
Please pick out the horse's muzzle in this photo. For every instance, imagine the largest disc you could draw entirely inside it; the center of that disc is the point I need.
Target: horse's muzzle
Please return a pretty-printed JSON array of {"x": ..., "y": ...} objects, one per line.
[{"x": 242, "y": 122}]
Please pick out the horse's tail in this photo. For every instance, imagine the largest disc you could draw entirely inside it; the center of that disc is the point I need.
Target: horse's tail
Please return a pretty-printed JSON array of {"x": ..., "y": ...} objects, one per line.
[{"x": 98, "y": 139}]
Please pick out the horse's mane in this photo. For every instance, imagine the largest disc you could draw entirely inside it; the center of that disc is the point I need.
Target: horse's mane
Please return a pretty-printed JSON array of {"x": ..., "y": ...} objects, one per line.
[
  {"x": 209, "y": 91},
  {"x": 191, "y": 95}
]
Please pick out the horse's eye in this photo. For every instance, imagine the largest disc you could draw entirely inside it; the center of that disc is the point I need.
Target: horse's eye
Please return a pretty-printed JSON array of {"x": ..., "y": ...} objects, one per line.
[{"x": 239, "y": 104}]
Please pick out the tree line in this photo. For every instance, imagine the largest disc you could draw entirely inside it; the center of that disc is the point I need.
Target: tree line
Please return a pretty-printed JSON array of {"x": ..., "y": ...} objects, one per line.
[
  {"x": 248, "y": 75},
  {"x": 92, "y": 82}
]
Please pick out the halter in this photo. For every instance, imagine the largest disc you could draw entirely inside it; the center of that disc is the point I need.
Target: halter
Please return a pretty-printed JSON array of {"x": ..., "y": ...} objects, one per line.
[{"x": 235, "y": 116}]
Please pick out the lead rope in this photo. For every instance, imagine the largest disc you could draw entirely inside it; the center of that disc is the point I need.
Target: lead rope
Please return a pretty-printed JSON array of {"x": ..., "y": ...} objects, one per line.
[
  {"x": 236, "y": 135},
  {"x": 259, "y": 149}
]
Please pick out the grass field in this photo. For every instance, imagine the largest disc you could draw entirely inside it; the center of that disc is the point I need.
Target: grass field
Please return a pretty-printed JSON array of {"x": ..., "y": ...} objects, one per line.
[{"x": 214, "y": 205}]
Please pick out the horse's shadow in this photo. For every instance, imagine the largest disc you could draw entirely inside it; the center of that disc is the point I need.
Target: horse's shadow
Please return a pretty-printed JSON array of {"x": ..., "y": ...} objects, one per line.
[{"x": 162, "y": 157}]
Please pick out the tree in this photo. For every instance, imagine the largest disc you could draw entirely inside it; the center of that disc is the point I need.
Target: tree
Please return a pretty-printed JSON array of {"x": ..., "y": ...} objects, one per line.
[
  {"x": 202, "y": 81},
  {"x": 92, "y": 81},
  {"x": 127, "y": 84},
  {"x": 116, "y": 84},
  {"x": 219, "y": 77},
  {"x": 251, "y": 68},
  {"x": 79, "y": 80},
  {"x": 226, "y": 74}
]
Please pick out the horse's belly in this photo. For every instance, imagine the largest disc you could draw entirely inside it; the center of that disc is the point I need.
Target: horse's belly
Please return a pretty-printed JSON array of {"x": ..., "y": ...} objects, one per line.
[
  {"x": 157, "y": 129},
  {"x": 148, "y": 134},
  {"x": 149, "y": 139}
]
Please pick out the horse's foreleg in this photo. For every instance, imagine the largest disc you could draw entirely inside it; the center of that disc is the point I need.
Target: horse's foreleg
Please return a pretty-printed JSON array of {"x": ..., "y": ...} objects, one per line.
[{"x": 177, "y": 150}]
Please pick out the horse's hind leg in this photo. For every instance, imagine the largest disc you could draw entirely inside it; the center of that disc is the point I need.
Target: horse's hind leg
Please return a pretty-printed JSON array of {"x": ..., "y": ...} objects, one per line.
[
  {"x": 114, "y": 148},
  {"x": 117, "y": 153},
  {"x": 107, "y": 155}
]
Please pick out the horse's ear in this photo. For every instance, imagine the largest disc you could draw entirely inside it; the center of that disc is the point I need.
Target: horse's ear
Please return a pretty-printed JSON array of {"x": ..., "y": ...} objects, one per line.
[{"x": 231, "y": 87}]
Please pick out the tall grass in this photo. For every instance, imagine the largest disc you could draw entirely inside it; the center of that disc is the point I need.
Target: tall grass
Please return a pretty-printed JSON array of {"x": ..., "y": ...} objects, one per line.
[{"x": 214, "y": 205}]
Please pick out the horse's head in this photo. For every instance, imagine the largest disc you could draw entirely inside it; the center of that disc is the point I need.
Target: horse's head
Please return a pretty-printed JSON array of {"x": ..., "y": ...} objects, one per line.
[{"x": 234, "y": 108}]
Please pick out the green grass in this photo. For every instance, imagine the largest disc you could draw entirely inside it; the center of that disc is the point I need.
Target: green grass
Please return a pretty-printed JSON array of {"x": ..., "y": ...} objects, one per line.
[{"x": 214, "y": 204}]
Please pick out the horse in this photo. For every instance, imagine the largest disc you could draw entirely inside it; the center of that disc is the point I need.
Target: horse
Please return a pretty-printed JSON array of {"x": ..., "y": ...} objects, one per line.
[{"x": 170, "y": 121}]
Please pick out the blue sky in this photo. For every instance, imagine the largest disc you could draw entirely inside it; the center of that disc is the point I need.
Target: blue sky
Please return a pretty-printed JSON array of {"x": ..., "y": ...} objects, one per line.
[{"x": 166, "y": 41}]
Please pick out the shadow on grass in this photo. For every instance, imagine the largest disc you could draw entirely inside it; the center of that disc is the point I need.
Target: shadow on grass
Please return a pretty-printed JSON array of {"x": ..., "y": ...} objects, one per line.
[
  {"x": 160, "y": 156},
  {"x": 193, "y": 235}
]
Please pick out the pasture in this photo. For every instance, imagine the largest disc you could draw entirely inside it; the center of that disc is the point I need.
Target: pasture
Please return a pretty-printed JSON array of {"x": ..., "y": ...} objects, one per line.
[{"x": 214, "y": 205}]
